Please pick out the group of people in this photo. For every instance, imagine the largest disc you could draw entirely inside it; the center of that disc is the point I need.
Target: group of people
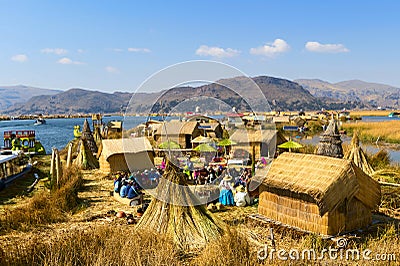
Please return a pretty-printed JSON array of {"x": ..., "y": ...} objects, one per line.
[
  {"x": 233, "y": 191},
  {"x": 127, "y": 187}
]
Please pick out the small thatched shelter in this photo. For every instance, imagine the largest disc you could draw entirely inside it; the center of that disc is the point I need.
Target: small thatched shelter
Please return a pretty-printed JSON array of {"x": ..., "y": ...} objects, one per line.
[
  {"x": 180, "y": 132},
  {"x": 264, "y": 141},
  {"x": 330, "y": 143},
  {"x": 85, "y": 158},
  {"x": 357, "y": 155},
  {"x": 88, "y": 136},
  {"x": 176, "y": 212},
  {"x": 126, "y": 154},
  {"x": 319, "y": 194}
]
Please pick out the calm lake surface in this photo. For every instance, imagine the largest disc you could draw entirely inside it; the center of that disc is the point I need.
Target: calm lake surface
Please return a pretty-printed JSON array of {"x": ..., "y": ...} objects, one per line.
[{"x": 58, "y": 132}]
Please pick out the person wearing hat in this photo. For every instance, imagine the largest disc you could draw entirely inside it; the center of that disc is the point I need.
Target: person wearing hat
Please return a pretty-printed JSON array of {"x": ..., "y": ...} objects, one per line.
[
  {"x": 242, "y": 197},
  {"x": 226, "y": 194}
]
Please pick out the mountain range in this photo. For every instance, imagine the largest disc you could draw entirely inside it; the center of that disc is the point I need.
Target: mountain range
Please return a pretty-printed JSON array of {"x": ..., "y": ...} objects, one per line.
[
  {"x": 282, "y": 94},
  {"x": 372, "y": 95},
  {"x": 10, "y": 95}
]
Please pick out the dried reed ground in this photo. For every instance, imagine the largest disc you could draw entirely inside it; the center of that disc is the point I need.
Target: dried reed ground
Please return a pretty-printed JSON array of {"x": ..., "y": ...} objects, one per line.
[{"x": 87, "y": 237}]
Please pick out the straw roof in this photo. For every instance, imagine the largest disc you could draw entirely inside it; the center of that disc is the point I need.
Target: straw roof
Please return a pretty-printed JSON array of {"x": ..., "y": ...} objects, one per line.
[
  {"x": 322, "y": 180},
  {"x": 247, "y": 136},
  {"x": 177, "y": 213},
  {"x": 177, "y": 128},
  {"x": 85, "y": 158},
  {"x": 357, "y": 155},
  {"x": 126, "y": 145},
  {"x": 88, "y": 136},
  {"x": 330, "y": 143}
]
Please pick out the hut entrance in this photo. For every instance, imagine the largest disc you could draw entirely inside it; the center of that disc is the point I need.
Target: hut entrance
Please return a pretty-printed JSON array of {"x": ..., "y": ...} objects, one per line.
[{"x": 188, "y": 141}]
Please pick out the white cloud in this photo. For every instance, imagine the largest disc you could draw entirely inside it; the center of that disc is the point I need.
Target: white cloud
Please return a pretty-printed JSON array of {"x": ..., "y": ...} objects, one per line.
[
  {"x": 219, "y": 52},
  {"x": 326, "y": 48},
  {"x": 68, "y": 61},
  {"x": 19, "y": 58},
  {"x": 117, "y": 50},
  {"x": 81, "y": 51},
  {"x": 57, "y": 51},
  {"x": 271, "y": 49},
  {"x": 139, "y": 50},
  {"x": 111, "y": 69}
]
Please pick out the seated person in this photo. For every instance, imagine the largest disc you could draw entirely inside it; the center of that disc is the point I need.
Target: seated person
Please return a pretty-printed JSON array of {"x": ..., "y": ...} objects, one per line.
[
  {"x": 242, "y": 198},
  {"x": 124, "y": 190}
]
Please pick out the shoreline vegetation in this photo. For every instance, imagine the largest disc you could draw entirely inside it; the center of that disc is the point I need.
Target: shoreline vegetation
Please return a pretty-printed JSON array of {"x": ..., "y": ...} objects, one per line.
[{"x": 372, "y": 132}]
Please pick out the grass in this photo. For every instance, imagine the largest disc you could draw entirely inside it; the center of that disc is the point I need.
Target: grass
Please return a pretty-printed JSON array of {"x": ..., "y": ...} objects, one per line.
[
  {"x": 45, "y": 207},
  {"x": 386, "y": 131},
  {"x": 371, "y": 113}
]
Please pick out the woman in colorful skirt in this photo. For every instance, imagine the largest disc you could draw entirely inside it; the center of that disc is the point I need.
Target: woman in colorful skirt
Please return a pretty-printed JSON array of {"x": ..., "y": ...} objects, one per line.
[{"x": 226, "y": 194}]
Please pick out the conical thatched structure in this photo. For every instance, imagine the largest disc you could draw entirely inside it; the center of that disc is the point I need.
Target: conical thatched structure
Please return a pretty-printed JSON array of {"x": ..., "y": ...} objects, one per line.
[
  {"x": 330, "y": 143},
  {"x": 356, "y": 154},
  {"x": 177, "y": 213},
  {"x": 88, "y": 136},
  {"x": 85, "y": 158}
]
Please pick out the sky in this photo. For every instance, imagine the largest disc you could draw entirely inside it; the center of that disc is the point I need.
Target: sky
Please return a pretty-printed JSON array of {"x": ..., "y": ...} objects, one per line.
[{"x": 116, "y": 45}]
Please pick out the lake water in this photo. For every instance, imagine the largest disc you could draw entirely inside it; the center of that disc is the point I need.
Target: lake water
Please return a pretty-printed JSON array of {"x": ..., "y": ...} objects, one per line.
[{"x": 58, "y": 132}]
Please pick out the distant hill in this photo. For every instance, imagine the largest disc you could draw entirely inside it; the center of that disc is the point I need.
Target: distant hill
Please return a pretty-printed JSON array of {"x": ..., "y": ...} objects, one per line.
[
  {"x": 370, "y": 94},
  {"x": 73, "y": 101},
  {"x": 10, "y": 95},
  {"x": 281, "y": 94}
]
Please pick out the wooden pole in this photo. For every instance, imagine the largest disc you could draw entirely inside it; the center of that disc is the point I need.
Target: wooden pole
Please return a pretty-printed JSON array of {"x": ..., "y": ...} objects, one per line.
[
  {"x": 58, "y": 167},
  {"x": 69, "y": 156},
  {"x": 52, "y": 164}
]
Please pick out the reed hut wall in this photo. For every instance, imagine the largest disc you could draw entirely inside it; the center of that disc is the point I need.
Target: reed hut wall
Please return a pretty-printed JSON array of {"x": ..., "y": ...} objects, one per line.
[{"x": 319, "y": 194}]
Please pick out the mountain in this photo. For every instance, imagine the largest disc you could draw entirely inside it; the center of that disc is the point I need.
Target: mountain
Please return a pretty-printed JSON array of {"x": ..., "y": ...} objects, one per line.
[
  {"x": 370, "y": 94},
  {"x": 10, "y": 95},
  {"x": 281, "y": 94},
  {"x": 73, "y": 101}
]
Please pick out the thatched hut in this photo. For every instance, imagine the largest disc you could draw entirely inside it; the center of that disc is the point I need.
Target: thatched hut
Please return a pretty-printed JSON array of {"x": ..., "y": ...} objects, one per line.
[
  {"x": 357, "y": 155},
  {"x": 319, "y": 194},
  {"x": 265, "y": 142},
  {"x": 178, "y": 131},
  {"x": 330, "y": 143},
  {"x": 88, "y": 136},
  {"x": 126, "y": 154},
  {"x": 176, "y": 212},
  {"x": 85, "y": 158}
]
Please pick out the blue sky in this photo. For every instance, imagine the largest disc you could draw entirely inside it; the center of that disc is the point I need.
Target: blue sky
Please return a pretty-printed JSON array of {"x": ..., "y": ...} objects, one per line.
[{"x": 115, "y": 45}]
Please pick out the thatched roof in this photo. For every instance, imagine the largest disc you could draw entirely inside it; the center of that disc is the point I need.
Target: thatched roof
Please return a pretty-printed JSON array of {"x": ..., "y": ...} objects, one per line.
[
  {"x": 326, "y": 181},
  {"x": 247, "y": 136},
  {"x": 176, "y": 212},
  {"x": 85, "y": 158},
  {"x": 330, "y": 143},
  {"x": 356, "y": 154},
  {"x": 88, "y": 136},
  {"x": 177, "y": 128},
  {"x": 126, "y": 145}
]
